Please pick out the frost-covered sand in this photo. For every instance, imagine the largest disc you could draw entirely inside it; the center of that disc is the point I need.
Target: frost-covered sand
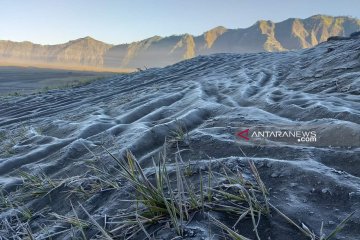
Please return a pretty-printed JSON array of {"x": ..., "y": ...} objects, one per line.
[{"x": 211, "y": 97}]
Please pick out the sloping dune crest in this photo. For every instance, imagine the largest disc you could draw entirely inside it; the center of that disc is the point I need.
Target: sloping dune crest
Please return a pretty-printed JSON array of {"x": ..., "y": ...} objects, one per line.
[{"x": 60, "y": 133}]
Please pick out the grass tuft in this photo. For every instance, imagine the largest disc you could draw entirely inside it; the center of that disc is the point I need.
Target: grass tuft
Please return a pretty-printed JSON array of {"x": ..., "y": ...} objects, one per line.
[{"x": 162, "y": 195}]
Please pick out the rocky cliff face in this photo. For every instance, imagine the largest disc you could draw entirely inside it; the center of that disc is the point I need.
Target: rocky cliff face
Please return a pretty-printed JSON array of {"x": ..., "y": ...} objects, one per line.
[
  {"x": 160, "y": 51},
  {"x": 81, "y": 52}
]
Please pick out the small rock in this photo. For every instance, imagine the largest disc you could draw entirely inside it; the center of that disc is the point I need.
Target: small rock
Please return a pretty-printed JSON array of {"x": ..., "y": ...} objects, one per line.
[
  {"x": 337, "y": 171},
  {"x": 325, "y": 190},
  {"x": 260, "y": 165},
  {"x": 274, "y": 175},
  {"x": 353, "y": 194}
]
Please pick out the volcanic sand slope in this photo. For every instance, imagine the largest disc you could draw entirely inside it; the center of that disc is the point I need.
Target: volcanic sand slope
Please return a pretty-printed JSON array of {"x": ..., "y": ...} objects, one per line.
[{"x": 211, "y": 97}]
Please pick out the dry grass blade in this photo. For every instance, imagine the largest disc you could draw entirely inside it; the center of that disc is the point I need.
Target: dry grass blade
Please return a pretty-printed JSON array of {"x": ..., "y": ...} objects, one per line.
[
  {"x": 339, "y": 227},
  {"x": 141, "y": 225},
  {"x": 76, "y": 216},
  {"x": 322, "y": 235},
  {"x": 104, "y": 233},
  {"x": 29, "y": 233},
  {"x": 260, "y": 184},
  {"x": 306, "y": 233},
  {"x": 234, "y": 235},
  {"x": 242, "y": 216}
]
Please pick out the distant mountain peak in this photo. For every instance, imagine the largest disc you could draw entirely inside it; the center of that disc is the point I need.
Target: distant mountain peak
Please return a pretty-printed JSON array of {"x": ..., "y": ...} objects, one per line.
[
  {"x": 89, "y": 40},
  {"x": 213, "y": 34},
  {"x": 264, "y": 35},
  {"x": 324, "y": 16},
  {"x": 217, "y": 29}
]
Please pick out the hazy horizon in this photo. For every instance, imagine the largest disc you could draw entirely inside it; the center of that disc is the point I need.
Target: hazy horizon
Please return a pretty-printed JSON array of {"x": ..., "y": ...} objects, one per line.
[
  {"x": 118, "y": 22},
  {"x": 174, "y": 34}
]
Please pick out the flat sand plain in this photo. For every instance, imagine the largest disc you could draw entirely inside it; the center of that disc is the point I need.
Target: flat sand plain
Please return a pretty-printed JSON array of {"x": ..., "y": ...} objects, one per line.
[{"x": 23, "y": 80}]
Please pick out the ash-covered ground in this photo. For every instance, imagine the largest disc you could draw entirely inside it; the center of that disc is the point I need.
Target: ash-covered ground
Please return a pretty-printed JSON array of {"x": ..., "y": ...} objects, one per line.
[{"x": 198, "y": 106}]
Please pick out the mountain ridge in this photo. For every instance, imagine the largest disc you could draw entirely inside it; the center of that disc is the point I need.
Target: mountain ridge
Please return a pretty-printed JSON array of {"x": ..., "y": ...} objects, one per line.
[{"x": 157, "y": 51}]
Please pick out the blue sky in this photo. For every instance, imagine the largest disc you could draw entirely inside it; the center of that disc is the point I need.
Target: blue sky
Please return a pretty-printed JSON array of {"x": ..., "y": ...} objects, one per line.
[{"x": 122, "y": 21}]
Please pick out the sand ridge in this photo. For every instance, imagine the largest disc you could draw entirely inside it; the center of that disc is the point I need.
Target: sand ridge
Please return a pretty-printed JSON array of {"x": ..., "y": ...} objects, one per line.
[{"x": 211, "y": 97}]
